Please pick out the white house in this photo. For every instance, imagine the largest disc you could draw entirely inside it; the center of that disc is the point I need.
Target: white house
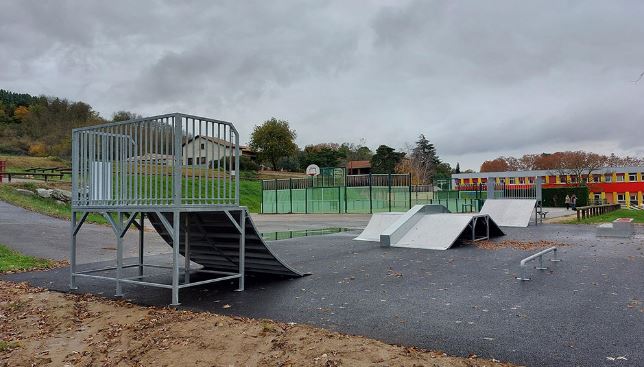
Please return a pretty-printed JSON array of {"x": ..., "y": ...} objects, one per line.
[{"x": 205, "y": 150}]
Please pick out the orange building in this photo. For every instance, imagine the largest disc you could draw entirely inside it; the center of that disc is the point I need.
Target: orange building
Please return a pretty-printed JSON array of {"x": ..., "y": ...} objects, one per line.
[{"x": 614, "y": 185}]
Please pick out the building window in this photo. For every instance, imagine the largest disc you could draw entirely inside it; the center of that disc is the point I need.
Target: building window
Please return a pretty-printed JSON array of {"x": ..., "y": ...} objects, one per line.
[
  {"x": 596, "y": 178},
  {"x": 531, "y": 179},
  {"x": 562, "y": 179},
  {"x": 573, "y": 178},
  {"x": 512, "y": 179},
  {"x": 621, "y": 198},
  {"x": 598, "y": 199},
  {"x": 608, "y": 178},
  {"x": 633, "y": 199},
  {"x": 203, "y": 146},
  {"x": 190, "y": 161},
  {"x": 632, "y": 177},
  {"x": 620, "y": 178},
  {"x": 203, "y": 160}
]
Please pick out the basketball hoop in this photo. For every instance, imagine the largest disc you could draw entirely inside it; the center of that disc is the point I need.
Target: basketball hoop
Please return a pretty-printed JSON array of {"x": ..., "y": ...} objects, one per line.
[{"x": 313, "y": 170}]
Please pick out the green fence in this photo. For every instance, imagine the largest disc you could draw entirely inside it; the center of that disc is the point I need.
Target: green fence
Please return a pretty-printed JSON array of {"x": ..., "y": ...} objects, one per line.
[{"x": 361, "y": 194}]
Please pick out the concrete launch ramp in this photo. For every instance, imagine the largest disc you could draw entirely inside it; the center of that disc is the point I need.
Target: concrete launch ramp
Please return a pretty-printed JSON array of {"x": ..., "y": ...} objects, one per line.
[
  {"x": 442, "y": 231},
  {"x": 214, "y": 243},
  {"x": 377, "y": 224},
  {"x": 510, "y": 212}
]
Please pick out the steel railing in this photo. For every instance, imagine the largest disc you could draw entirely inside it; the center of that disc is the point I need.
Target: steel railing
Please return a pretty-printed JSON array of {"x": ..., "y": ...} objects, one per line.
[
  {"x": 168, "y": 160},
  {"x": 538, "y": 255}
]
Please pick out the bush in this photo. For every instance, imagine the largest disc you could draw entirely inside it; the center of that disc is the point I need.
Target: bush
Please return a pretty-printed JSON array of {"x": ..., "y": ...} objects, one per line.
[
  {"x": 38, "y": 149},
  {"x": 555, "y": 197}
]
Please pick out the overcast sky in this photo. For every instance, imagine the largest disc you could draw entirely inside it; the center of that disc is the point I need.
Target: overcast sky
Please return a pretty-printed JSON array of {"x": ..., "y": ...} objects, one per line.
[{"x": 479, "y": 78}]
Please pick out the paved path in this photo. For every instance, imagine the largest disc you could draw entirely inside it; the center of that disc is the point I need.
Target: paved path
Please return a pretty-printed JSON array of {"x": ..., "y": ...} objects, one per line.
[{"x": 43, "y": 236}]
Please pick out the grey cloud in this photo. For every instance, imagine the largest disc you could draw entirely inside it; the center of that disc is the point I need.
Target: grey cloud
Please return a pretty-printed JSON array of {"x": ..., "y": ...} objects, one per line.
[{"x": 480, "y": 79}]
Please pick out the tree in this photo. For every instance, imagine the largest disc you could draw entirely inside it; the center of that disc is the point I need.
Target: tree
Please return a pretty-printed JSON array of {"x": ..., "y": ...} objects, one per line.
[
  {"x": 353, "y": 152},
  {"x": 385, "y": 160},
  {"x": 273, "y": 140},
  {"x": 424, "y": 160},
  {"x": 323, "y": 155},
  {"x": 21, "y": 113},
  {"x": 125, "y": 115},
  {"x": 495, "y": 165},
  {"x": 458, "y": 168}
]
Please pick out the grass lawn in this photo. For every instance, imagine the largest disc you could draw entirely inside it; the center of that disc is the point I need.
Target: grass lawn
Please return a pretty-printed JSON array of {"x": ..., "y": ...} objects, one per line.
[
  {"x": 11, "y": 260},
  {"x": 41, "y": 205},
  {"x": 637, "y": 215},
  {"x": 249, "y": 191}
]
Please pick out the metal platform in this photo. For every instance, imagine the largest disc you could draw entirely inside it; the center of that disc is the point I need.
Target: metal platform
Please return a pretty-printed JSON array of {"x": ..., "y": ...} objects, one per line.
[
  {"x": 213, "y": 242},
  {"x": 181, "y": 171},
  {"x": 510, "y": 212}
]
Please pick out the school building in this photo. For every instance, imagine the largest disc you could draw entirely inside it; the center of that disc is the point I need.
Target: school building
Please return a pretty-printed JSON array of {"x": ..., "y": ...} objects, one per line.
[{"x": 613, "y": 185}]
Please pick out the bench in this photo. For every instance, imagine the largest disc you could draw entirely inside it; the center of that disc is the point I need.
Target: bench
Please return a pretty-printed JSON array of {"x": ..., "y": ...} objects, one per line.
[
  {"x": 45, "y": 176},
  {"x": 620, "y": 228}
]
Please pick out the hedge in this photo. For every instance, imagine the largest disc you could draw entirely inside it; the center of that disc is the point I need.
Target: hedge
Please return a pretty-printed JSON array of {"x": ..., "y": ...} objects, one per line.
[{"x": 555, "y": 197}]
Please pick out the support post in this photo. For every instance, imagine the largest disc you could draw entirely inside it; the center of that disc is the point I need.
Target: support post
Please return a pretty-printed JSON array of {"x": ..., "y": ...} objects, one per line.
[
  {"x": 119, "y": 254},
  {"x": 410, "y": 186},
  {"x": 176, "y": 225},
  {"x": 242, "y": 248},
  {"x": 339, "y": 200},
  {"x": 389, "y": 182},
  {"x": 290, "y": 193},
  {"x": 276, "y": 201},
  {"x": 186, "y": 251},
  {"x": 370, "y": 195},
  {"x": 141, "y": 238},
  {"x": 72, "y": 254},
  {"x": 490, "y": 187}
]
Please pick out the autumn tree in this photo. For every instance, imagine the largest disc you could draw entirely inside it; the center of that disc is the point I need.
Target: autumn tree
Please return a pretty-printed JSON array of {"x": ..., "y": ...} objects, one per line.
[
  {"x": 495, "y": 165},
  {"x": 272, "y": 140}
]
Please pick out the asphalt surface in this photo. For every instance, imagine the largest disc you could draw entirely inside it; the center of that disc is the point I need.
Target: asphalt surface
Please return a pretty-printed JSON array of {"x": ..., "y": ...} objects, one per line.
[{"x": 582, "y": 312}]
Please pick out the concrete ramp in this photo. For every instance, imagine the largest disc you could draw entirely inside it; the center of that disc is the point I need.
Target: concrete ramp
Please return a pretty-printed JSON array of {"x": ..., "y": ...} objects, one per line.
[
  {"x": 214, "y": 243},
  {"x": 442, "y": 231},
  {"x": 377, "y": 224},
  {"x": 510, "y": 212}
]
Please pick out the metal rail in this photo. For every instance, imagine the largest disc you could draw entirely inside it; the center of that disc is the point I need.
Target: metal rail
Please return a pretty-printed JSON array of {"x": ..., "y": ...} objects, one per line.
[
  {"x": 538, "y": 255},
  {"x": 173, "y": 160}
]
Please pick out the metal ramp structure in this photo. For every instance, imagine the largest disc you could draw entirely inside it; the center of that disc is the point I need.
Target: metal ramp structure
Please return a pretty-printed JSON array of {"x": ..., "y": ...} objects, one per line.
[
  {"x": 213, "y": 242},
  {"x": 429, "y": 226},
  {"x": 377, "y": 224},
  {"x": 442, "y": 231},
  {"x": 510, "y": 212},
  {"x": 181, "y": 172}
]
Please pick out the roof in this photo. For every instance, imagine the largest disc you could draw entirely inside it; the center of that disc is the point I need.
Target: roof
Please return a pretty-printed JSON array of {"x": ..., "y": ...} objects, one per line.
[
  {"x": 358, "y": 164},
  {"x": 551, "y": 172}
]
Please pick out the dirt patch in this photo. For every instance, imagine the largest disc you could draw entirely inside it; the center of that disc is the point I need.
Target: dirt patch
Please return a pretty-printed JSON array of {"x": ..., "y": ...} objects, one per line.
[
  {"x": 519, "y": 245},
  {"x": 45, "y": 328}
]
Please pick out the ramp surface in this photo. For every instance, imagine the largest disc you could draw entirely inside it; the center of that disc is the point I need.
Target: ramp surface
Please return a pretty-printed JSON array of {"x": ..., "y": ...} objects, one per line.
[
  {"x": 510, "y": 212},
  {"x": 441, "y": 231},
  {"x": 377, "y": 224},
  {"x": 214, "y": 243}
]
